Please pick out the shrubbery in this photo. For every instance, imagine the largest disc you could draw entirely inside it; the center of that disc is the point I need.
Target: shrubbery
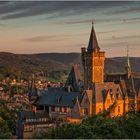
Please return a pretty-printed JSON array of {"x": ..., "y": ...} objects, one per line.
[
  {"x": 99, "y": 127},
  {"x": 7, "y": 122}
]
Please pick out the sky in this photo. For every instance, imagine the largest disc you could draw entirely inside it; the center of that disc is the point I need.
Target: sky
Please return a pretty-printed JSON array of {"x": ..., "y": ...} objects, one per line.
[{"x": 28, "y": 27}]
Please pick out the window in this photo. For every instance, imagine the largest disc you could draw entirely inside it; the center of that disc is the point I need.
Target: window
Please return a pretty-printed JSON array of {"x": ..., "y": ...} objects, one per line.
[
  {"x": 117, "y": 96},
  {"x": 111, "y": 94},
  {"x": 65, "y": 109},
  {"x": 100, "y": 110},
  {"x": 52, "y": 109},
  {"x": 60, "y": 109},
  {"x": 57, "y": 109},
  {"x": 118, "y": 109},
  {"x": 68, "y": 109},
  {"x": 85, "y": 111},
  {"x": 40, "y": 107}
]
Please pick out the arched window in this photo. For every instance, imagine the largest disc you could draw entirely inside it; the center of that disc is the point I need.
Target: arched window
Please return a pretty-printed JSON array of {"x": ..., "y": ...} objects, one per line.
[
  {"x": 119, "y": 109},
  {"x": 100, "y": 110}
]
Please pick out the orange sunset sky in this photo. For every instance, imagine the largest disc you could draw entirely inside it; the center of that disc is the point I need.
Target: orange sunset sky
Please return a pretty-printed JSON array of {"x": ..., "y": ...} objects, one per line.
[{"x": 43, "y": 26}]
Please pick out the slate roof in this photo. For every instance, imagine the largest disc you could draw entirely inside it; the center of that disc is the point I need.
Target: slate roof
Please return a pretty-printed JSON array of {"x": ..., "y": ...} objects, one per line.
[
  {"x": 123, "y": 88},
  {"x": 74, "y": 78},
  {"x": 104, "y": 94},
  {"x": 93, "y": 41},
  {"x": 102, "y": 88},
  {"x": 137, "y": 84},
  {"x": 30, "y": 114},
  {"x": 58, "y": 97}
]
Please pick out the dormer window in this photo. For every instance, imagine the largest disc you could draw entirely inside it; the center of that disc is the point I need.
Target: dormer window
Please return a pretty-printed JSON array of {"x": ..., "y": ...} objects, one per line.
[{"x": 59, "y": 99}]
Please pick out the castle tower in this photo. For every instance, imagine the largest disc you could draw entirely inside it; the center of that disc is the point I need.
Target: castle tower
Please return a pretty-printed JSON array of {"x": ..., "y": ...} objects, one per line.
[{"x": 93, "y": 61}]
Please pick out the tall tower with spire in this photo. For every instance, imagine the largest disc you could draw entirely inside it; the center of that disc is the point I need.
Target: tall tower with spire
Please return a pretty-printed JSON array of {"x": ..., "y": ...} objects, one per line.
[{"x": 93, "y": 61}]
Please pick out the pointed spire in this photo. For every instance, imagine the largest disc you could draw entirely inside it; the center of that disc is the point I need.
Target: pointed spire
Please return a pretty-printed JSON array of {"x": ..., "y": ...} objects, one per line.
[
  {"x": 128, "y": 65},
  {"x": 93, "y": 44},
  {"x": 129, "y": 72},
  {"x": 128, "y": 60}
]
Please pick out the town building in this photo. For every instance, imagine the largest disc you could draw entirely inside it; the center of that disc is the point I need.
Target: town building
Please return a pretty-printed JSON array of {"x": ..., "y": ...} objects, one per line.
[{"x": 96, "y": 93}]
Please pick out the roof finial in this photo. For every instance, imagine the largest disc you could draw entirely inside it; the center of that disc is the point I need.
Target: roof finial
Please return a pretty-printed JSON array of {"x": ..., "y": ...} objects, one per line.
[{"x": 93, "y": 44}]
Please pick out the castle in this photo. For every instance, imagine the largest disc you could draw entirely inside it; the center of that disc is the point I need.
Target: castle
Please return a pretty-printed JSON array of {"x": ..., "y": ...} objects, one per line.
[{"x": 80, "y": 98}]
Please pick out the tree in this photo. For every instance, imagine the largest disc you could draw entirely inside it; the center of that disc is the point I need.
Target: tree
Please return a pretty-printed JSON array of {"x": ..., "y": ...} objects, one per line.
[
  {"x": 99, "y": 127},
  {"x": 4, "y": 130}
]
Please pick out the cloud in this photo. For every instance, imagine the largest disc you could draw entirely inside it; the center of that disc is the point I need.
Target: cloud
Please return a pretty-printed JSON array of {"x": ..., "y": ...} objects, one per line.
[
  {"x": 131, "y": 7},
  {"x": 47, "y": 38},
  {"x": 52, "y": 9},
  {"x": 38, "y": 38},
  {"x": 2, "y": 24},
  {"x": 124, "y": 37},
  {"x": 79, "y": 21},
  {"x": 109, "y": 31}
]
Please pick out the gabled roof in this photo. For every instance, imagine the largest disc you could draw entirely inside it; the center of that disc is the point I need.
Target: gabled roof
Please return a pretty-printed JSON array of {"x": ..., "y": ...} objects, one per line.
[
  {"x": 102, "y": 88},
  {"x": 58, "y": 97},
  {"x": 89, "y": 95},
  {"x": 76, "y": 109},
  {"x": 74, "y": 78},
  {"x": 93, "y": 44},
  {"x": 123, "y": 88}
]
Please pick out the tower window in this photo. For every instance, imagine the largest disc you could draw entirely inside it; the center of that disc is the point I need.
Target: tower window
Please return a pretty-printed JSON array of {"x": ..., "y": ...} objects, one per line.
[{"x": 118, "y": 109}]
